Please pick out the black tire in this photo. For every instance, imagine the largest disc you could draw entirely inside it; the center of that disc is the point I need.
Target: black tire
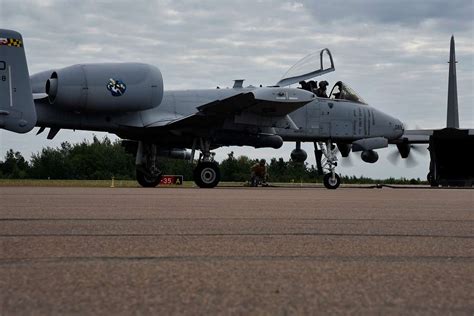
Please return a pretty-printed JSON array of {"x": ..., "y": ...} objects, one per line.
[
  {"x": 146, "y": 181},
  {"x": 331, "y": 183},
  {"x": 207, "y": 174}
]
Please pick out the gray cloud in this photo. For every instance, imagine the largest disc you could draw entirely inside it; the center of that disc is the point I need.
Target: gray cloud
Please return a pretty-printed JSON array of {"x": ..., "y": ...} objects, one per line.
[{"x": 444, "y": 15}]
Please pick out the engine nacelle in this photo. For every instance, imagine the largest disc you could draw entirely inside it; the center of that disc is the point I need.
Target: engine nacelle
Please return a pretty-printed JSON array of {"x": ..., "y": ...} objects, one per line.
[
  {"x": 369, "y": 156},
  {"x": 106, "y": 87},
  {"x": 298, "y": 155}
]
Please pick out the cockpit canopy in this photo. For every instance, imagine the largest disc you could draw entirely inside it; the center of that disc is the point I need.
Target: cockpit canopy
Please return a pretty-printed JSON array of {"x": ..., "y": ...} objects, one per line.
[
  {"x": 309, "y": 67},
  {"x": 342, "y": 91}
]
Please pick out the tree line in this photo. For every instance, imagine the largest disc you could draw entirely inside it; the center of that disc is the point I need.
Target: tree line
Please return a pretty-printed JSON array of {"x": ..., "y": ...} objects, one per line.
[{"x": 104, "y": 159}]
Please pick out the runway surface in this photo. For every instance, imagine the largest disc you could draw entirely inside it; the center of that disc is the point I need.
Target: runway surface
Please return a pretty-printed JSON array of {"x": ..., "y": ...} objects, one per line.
[{"x": 236, "y": 251}]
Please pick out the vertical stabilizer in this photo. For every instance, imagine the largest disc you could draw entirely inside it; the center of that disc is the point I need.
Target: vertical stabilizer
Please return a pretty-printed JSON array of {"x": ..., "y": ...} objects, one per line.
[
  {"x": 17, "y": 109},
  {"x": 453, "y": 116}
]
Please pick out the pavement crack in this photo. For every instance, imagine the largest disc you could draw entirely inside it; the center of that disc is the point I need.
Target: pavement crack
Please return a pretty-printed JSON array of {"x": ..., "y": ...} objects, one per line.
[{"x": 16, "y": 261}]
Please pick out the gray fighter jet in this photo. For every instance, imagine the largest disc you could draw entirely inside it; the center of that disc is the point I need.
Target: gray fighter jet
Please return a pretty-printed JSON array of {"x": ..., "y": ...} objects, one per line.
[{"x": 129, "y": 100}]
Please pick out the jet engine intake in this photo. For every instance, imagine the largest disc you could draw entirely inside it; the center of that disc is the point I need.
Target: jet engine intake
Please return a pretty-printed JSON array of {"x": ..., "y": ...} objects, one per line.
[
  {"x": 123, "y": 87},
  {"x": 369, "y": 156}
]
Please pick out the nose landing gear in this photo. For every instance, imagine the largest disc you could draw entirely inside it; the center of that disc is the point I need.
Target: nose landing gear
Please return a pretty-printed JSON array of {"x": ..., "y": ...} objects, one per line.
[{"x": 331, "y": 179}]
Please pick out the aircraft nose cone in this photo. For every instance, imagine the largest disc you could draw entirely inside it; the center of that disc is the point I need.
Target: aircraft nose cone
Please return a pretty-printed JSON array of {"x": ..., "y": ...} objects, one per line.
[
  {"x": 389, "y": 126},
  {"x": 398, "y": 127}
]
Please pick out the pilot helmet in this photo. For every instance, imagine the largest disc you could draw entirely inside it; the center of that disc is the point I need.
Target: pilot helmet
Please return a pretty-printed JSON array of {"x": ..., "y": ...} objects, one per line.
[{"x": 323, "y": 84}]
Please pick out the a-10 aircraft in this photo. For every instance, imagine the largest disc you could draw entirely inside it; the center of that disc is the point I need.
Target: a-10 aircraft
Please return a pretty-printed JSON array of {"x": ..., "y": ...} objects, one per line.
[{"x": 128, "y": 99}]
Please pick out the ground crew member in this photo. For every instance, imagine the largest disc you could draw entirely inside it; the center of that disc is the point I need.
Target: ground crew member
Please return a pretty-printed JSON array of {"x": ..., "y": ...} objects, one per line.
[{"x": 259, "y": 172}]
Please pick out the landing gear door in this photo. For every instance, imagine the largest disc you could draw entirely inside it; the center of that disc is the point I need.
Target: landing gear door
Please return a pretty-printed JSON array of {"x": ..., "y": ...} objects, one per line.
[{"x": 309, "y": 67}]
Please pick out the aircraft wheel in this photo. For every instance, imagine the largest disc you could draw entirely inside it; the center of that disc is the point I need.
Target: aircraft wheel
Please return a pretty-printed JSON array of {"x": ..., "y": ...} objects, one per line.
[
  {"x": 331, "y": 183},
  {"x": 207, "y": 174},
  {"x": 147, "y": 181}
]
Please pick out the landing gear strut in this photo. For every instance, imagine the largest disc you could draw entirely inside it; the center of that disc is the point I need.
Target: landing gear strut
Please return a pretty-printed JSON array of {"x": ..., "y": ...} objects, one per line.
[
  {"x": 147, "y": 172},
  {"x": 206, "y": 173},
  {"x": 328, "y": 150}
]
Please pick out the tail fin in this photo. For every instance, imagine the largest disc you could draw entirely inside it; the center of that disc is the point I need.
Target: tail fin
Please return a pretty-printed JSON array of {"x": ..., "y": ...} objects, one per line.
[
  {"x": 453, "y": 116},
  {"x": 17, "y": 109}
]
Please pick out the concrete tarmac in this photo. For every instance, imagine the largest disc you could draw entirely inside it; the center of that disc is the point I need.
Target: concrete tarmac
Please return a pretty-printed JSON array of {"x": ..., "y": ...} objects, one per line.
[{"x": 236, "y": 251}]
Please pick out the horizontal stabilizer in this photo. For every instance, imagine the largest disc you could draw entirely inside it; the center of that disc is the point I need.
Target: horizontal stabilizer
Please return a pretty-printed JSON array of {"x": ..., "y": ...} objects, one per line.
[{"x": 17, "y": 109}]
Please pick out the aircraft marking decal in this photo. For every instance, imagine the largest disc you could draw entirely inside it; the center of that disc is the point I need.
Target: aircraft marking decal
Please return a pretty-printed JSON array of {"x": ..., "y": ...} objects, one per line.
[
  {"x": 13, "y": 42},
  {"x": 116, "y": 87}
]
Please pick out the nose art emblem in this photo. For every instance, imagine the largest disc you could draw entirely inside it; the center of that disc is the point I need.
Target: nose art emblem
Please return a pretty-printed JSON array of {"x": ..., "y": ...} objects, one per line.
[{"x": 116, "y": 87}]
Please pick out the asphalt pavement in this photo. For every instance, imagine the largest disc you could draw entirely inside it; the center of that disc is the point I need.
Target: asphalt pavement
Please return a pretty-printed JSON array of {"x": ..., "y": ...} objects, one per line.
[{"x": 246, "y": 251}]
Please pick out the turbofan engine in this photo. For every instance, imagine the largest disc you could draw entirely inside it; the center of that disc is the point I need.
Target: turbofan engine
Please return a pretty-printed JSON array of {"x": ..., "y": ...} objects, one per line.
[{"x": 106, "y": 87}]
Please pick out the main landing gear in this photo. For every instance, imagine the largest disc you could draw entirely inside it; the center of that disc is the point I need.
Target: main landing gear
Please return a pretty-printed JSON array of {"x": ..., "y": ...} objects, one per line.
[
  {"x": 206, "y": 173},
  {"x": 147, "y": 171},
  {"x": 331, "y": 179}
]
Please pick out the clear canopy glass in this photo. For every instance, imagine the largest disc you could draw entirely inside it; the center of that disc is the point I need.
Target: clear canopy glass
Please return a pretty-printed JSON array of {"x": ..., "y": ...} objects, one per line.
[
  {"x": 342, "y": 91},
  {"x": 313, "y": 65}
]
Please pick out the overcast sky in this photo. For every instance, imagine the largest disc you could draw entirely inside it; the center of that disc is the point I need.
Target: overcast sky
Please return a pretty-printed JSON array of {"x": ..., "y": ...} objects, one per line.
[{"x": 393, "y": 53}]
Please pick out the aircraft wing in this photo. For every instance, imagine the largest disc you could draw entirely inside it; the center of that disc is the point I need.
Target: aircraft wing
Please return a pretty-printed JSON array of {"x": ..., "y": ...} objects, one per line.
[{"x": 264, "y": 102}]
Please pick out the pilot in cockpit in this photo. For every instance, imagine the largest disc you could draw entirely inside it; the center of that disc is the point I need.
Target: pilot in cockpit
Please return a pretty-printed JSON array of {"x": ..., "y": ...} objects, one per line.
[
  {"x": 308, "y": 86},
  {"x": 304, "y": 85},
  {"x": 321, "y": 91},
  {"x": 312, "y": 86}
]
